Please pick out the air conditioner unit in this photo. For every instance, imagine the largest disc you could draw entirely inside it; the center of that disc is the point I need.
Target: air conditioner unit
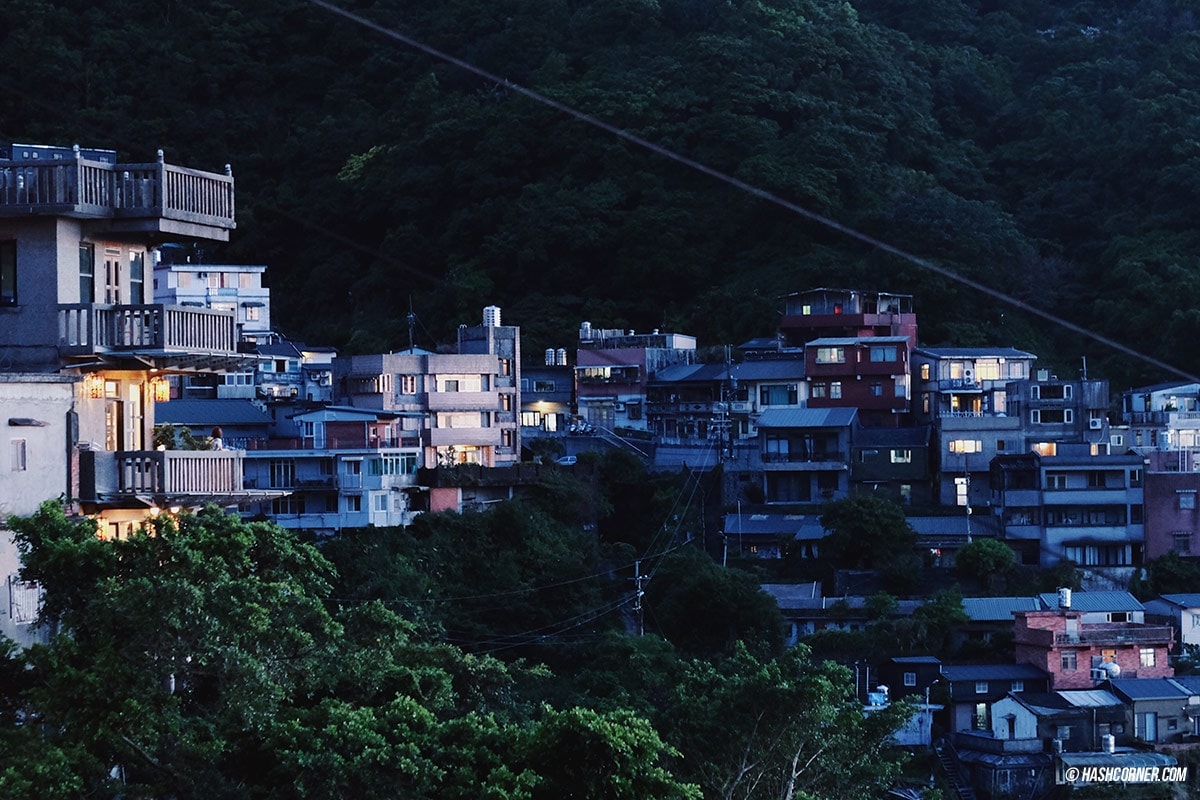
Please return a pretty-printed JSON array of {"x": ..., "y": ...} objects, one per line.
[
  {"x": 969, "y": 374},
  {"x": 1096, "y": 424}
]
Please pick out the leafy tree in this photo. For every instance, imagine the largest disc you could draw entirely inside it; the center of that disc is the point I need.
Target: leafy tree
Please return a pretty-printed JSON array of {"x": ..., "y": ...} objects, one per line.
[
  {"x": 865, "y": 532},
  {"x": 1167, "y": 574},
  {"x": 783, "y": 727},
  {"x": 706, "y": 610},
  {"x": 203, "y": 657},
  {"x": 985, "y": 560}
]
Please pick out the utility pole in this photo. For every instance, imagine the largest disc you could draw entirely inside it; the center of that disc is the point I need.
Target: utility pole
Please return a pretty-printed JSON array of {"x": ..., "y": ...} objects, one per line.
[{"x": 638, "y": 580}]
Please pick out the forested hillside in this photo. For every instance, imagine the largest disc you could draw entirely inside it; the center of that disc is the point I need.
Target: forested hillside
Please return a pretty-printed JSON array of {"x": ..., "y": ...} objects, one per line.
[{"x": 1047, "y": 149}]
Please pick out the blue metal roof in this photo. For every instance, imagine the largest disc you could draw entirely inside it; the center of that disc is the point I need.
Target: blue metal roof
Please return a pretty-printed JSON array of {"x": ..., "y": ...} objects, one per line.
[
  {"x": 807, "y": 418},
  {"x": 1188, "y": 600},
  {"x": 988, "y": 672},
  {"x": 1094, "y": 601},
  {"x": 210, "y": 412},
  {"x": 1148, "y": 688},
  {"x": 991, "y": 609}
]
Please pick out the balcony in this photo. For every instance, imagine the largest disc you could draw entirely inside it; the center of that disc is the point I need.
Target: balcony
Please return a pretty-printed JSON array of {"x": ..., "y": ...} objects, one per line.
[
  {"x": 1118, "y": 634},
  {"x": 172, "y": 336},
  {"x": 161, "y": 477},
  {"x": 156, "y": 197}
]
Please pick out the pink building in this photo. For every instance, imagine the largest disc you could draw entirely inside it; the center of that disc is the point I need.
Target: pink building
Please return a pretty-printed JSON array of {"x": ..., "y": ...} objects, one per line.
[{"x": 1076, "y": 653}]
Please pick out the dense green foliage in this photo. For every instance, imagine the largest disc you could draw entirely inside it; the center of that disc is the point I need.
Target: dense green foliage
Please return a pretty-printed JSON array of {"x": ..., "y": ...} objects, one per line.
[
  {"x": 1046, "y": 149},
  {"x": 482, "y": 655}
]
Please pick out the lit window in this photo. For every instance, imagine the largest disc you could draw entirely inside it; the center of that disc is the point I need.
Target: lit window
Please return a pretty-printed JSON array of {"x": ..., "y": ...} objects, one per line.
[
  {"x": 1146, "y": 656},
  {"x": 981, "y": 687},
  {"x": 902, "y": 456},
  {"x": 831, "y": 355},
  {"x": 966, "y": 446},
  {"x": 924, "y": 372}
]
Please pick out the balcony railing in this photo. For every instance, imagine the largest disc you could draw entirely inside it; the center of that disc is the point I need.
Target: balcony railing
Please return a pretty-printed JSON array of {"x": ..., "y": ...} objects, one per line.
[
  {"x": 94, "y": 189},
  {"x": 1156, "y": 634},
  {"x": 159, "y": 475},
  {"x": 95, "y": 328}
]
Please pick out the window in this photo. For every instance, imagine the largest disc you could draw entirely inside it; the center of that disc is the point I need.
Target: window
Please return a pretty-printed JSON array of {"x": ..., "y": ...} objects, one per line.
[
  {"x": 1056, "y": 480},
  {"x": 1135, "y": 477},
  {"x": 785, "y": 394},
  {"x": 137, "y": 277},
  {"x": 253, "y": 313},
  {"x": 1070, "y": 660},
  {"x": 1187, "y": 501},
  {"x": 459, "y": 383},
  {"x": 883, "y": 353},
  {"x": 1182, "y": 542},
  {"x": 876, "y": 389},
  {"x": 831, "y": 355},
  {"x": 1051, "y": 416},
  {"x": 1096, "y": 479},
  {"x": 835, "y": 389},
  {"x": 1146, "y": 656},
  {"x": 819, "y": 390},
  {"x": 987, "y": 370},
  {"x": 543, "y": 385},
  {"x": 1018, "y": 686},
  {"x": 381, "y": 502},
  {"x": 282, "y": 473},
  {"x": 981, "y": 687},
  {"x": 19, "y": 464},
  {"x": 354, "y": 502},
  {"x": 183, "y": 280},
  {"x": 924, "y": 372},
  {"x": 408, "y": 384},
  {"x": 966, "y": 446},
  {"x": 8, "y": 273},
  {"x": 246, "y": 281},
  {"x": 910, "y": 679},
  {"x": 902, "y": 456},
  {"x": 87, "y": 272}
]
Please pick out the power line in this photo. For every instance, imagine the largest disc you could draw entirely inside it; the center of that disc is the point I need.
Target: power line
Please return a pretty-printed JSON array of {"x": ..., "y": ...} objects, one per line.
[{"x": 748, "y": 188}]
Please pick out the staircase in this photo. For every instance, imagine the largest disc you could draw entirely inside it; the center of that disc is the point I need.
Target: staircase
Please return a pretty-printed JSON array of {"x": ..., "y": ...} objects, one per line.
[{"x": 954, "y": 776}]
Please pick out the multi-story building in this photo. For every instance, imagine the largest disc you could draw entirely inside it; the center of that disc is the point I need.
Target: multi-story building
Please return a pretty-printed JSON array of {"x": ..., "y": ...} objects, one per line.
[
  {"x": 462, "y": 406},
  {"x": 1165, "y": 416},
  {"x": 805, "y": 454},
  {"x": 962, "y": 393},
  {"x": 547, "y": 395},
  {"x": 1080, "y": 655},
  {"x": 869, "y": 373},
  {"x": 1072, "y": 501},
  {"x": 236, "y": 288},
  {"x": 1054, "y": 410},
  {"x": 846, "y": 313},
  {"x": 345, "y": 468},
  {"x": 613, "y": 369},
  {"x": 86, "y": 348}
]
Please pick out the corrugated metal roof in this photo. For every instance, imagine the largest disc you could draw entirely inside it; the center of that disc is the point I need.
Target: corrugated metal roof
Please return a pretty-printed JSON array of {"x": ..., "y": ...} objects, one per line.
[
  {"x": 210, "y": 412},
  {"x": 1090, "y": 698},
  {"x": 987, "y": 672},
  {"x": 1122, "y": 759},
  {"x": 916, "y": 660},
  {"x": 842, "y": 341},
  {"x": 1148, "y": 688},
  {"x": 807, "y": 417},
  {"x": 1190, "y": 683},
  {"x": 992, "y": 609},
  {"x": 799, "y": 526},
  {"x": 1188, "y": 600},
  {"x": 769, "y": 370},
  {"x": 1094, "y": 601},
  {"x": 973, "y": 352},
  {"x": 981, "y": 525}
]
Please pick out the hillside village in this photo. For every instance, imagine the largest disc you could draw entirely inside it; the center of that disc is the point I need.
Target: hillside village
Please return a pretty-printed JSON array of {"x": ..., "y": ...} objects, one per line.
[{"x": 137, "y": 378}]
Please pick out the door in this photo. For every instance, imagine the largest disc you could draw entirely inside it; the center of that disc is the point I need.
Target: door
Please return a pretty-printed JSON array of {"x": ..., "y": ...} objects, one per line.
[{"x": 1149, "y": 726}]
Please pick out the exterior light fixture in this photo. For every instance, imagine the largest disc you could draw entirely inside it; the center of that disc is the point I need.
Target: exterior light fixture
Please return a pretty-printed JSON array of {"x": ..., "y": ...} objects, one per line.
[
  {"x": 162, "y": 389},
  {"x": 95, "y": 386}
]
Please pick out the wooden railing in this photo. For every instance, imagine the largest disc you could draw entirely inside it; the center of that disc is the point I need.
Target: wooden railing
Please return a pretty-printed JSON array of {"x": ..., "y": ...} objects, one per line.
[
  {"x": 98, "y": 328},
  {"x": 179, "y": 472},
  {"x": 97, "y": 189}
]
